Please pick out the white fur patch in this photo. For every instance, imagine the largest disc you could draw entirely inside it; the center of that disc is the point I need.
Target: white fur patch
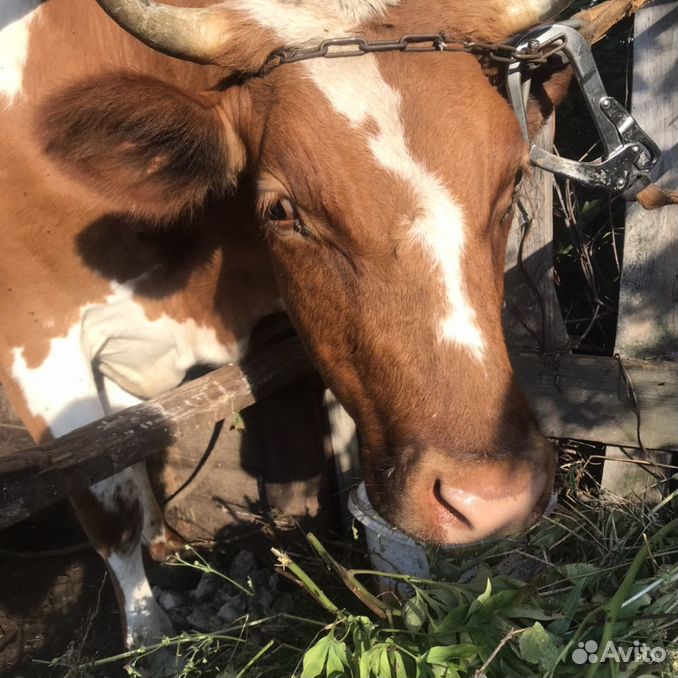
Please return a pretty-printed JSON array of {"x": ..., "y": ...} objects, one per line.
[
  {"x": 144, "y": 357},
  {"x": 118, "y": 487},
  {"x": 354, "y": 12},
  {"x": 523, "y": 14},
  {"x": 146, "y": 622},
  {"x": 300, "y": 22},
  {"x": 356, "y": 89},
  {"x": 148, "y": 357},
  {"x": 62, "y": 389},
  {"x": 16, "y": 17}
]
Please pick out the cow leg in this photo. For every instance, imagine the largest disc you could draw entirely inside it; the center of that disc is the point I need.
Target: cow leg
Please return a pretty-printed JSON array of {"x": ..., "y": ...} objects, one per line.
[
  {"x": 156, "y": 535},
  {"x": 62, "y": 392},
  {"x": 161, "y": 540},
  {"x": 110, "y": 511}
]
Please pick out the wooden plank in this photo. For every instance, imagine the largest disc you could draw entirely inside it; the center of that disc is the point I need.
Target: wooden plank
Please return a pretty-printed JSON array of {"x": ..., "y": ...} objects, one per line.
[
  {"x": 532, "y": 317},
  {"x": 585, "y": 397},
  {"x": 648, "y": 303},
  {"x": 574, "y": 396},
  {"x": 648, "y": 300},
  {"x": 342, "y": 441},
  {"x": 224, "y": 481},
  {"x": 34, "y": 478},
  {"x": 13, "y": 434}
]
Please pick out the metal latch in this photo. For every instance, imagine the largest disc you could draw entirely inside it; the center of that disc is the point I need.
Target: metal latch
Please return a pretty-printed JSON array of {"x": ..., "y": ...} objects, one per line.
[{"x": 629, "y": 153}]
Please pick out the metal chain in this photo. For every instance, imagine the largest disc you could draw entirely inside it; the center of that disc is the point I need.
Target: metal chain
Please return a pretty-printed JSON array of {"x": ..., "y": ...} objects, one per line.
[{"x": 335, "y": 48}]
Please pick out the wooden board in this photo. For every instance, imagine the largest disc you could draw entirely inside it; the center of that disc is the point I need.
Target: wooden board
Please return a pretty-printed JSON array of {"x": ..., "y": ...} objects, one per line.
[
  {"x": 342, "y": 444},
  {"x": 648, "y": 301},
  {"x": 13, "y": 435},
  {"x": 33, "y": 478},
  {"x": 585, "y": 397},
  {"x": 224, "y": 482},
  {"x": 532, "y": 317},
  {"x": 648, "y": 304},
  {"x": 575, "y": 396}
]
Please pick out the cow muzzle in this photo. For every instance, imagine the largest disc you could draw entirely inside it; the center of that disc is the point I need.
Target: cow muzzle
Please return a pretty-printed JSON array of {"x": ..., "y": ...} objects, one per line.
[
  {"x": 485, "y": 501},
  {"x": 468, "y": 516}
]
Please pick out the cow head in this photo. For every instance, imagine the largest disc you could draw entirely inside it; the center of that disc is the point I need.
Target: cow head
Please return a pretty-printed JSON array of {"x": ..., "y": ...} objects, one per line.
[{"x": 382, "y": 185}]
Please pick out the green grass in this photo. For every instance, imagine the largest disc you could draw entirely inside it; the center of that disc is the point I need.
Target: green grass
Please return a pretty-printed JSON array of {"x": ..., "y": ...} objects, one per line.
[{"x": 599, "y": 568}]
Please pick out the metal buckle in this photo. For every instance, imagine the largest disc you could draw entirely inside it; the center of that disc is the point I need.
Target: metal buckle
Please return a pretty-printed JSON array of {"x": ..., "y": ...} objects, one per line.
[{"x": 629, "y": 153}]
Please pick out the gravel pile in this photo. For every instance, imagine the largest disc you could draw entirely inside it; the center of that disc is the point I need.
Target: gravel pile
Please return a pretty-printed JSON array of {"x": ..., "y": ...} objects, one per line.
[{"x": 215, "y": 603}]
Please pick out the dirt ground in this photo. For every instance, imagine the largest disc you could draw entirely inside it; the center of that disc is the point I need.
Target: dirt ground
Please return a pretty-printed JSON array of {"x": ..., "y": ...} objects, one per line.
[
  {"x": 56, "y": 600},
  {"x": 50, "y": 604}
]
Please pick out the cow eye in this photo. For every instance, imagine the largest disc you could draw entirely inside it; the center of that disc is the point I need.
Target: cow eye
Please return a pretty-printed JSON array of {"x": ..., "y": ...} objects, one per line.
[
  {"x": 283, "y": 215},
  {"x": 281, "y": 210}
]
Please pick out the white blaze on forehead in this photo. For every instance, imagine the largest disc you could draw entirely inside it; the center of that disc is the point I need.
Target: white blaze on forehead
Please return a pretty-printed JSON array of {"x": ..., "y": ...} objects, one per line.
[
  {"x": 16, "y": 17},
  {"x": 356, "y": 90}
]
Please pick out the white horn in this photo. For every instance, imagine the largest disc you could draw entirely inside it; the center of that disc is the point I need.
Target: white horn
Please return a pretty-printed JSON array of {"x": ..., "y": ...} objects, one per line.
[
  {"x": 523, "y": 14},
  {"x": 193, "y": 34}
]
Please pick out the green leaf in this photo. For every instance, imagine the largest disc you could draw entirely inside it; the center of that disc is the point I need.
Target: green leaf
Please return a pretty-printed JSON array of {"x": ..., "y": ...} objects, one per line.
[
  {"x": 450, "y": 624},
  {"x": 361, "y": 632},
  {"x": 443, "y": 654},
  {"x": 337, "y": 660},
  {"x": 485, "y": 595},
  {"x": 632, "y": 609},
  {"x": 440, "y": 671},
  {"x": 481, "y": 599},
  {"x": 237, "y": 422},
  {"x": 570, "y": 606},
  {"x": 315, "y": 657},
  {"x": 575, "y": 570},
  {"x": 365, "y": 662},
  {"x": 590, "y": 210},
  {"x": 398, "y": 663},
  {"x": 534, "y": 613},
  {"x": 496, "y": 603},
  {"x": 385, "y": 670},
  {"x": 663, "y": 603},
  {"x": 370, "y": 662},
  {"x": 414, "y": 613},
  {"x": 510, "y": 665},
  {"x": 537, "y": 647},
  {"x": 423, "y": 670}
]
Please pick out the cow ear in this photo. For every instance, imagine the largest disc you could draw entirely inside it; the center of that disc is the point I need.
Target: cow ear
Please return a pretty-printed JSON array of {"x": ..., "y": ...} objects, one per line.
[
  {"x": 147, "y": 147},
  {"x": 547, "y": 91}
]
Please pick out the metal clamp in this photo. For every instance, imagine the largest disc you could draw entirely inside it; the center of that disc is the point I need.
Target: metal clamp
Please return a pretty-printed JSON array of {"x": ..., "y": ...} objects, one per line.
[{"x": 629, "y": 153}]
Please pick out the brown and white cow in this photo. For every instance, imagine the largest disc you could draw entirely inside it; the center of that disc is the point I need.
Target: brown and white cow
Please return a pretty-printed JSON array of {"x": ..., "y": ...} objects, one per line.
[{"x": 152, "y": 209}]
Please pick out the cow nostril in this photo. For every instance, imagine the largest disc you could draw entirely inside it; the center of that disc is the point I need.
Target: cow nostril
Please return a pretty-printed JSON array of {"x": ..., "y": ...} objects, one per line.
[{"x": 443, "y": 498}]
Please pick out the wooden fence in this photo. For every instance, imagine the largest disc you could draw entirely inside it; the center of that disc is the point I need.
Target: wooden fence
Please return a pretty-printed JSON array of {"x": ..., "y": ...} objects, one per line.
[
  {"x": 618, "y": 402},
  {"x": 630, "y": 401}
]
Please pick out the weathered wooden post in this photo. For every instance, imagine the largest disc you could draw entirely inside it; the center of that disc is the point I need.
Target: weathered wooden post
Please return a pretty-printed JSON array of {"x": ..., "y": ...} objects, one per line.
[
  {"x": 647, "y": 327},
  {"x": 532, "y": 317}
]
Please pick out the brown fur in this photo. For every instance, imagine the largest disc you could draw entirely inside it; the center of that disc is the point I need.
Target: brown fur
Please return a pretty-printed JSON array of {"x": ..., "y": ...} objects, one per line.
[
  {"x": 64, "y": 240},
  {"x": 157, "y": 143},
  {"x": 162, "y": 156}
]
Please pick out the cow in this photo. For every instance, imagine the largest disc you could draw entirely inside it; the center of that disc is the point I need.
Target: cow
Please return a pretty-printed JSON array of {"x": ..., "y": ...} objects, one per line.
[{"x": 162, "y": 190}]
